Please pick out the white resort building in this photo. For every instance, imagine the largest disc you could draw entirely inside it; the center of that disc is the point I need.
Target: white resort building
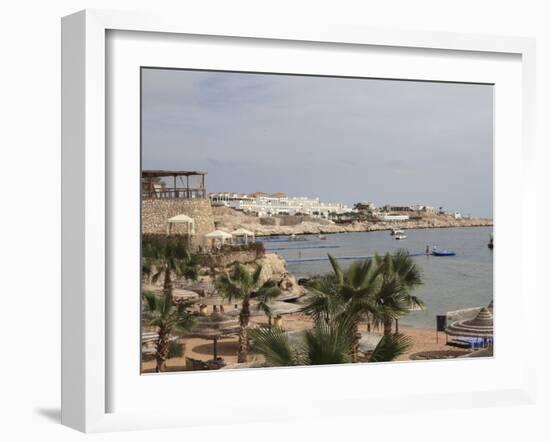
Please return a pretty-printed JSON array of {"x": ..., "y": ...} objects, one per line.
[
  {"x": 264, "y": 204},
  {"x": 389, "y": 217}
]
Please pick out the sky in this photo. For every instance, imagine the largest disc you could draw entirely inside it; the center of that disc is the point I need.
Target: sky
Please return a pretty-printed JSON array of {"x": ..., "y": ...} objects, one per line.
[{"x": 339, "y": 139}]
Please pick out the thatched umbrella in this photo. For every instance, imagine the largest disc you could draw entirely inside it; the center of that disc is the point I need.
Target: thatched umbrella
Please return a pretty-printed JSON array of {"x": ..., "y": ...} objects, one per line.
[
  {"x": 181, "y": 295},
  {"x": 253, "y": 310},
  {"x": 479, "y": 327},
  {"x": 215, "y": 326},
  {"x": 207, "y": 294},
  {"x": 277, "y": 308},
  {"x": 214, "y": 300},
  {"x": 284, "y": 308},
  {"x": 288, "y": 296}
]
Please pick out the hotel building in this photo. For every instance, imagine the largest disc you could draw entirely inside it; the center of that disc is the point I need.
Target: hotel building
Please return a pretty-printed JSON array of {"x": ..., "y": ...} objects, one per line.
[{"x": 264, "y": 204}]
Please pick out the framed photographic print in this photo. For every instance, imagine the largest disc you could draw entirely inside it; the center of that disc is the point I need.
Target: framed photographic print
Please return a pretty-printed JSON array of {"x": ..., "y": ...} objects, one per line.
[{"x": 291, "y": 208}]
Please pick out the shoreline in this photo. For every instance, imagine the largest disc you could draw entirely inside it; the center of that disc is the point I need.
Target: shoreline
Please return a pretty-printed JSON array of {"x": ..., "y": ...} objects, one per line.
[{"x": 362, "y": 228}]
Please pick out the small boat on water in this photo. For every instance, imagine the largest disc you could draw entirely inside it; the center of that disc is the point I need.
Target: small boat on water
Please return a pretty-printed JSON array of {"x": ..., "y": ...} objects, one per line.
[
  {"x": 322, "y": 237},
  {"x": 400, "y": 237},
  {"x": 396, "y": 232},
  {"x": 293, "y": 237},
  {"x": 443, "y": 253}
]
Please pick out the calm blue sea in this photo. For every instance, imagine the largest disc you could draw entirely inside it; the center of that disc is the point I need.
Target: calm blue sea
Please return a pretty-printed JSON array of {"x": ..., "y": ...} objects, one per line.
[{"x": 450, "y": 283}]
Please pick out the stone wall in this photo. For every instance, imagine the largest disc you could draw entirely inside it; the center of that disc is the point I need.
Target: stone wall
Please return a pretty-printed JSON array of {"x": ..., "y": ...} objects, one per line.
[{"x": 155, "y": 213}]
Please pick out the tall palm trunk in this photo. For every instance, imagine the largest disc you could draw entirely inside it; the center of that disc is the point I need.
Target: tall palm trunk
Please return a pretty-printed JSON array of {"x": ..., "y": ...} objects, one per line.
[
  {"x": 168, "y": 284},
  {"x": 387, "y": 327},
  {"x": 356, "y": 338},
  {"x": 244, "y": 318},
  {"x": 162, "y": 350}
]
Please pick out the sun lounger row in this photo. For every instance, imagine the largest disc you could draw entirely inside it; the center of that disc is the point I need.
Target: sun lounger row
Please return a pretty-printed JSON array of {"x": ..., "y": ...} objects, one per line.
[{"x": 470, "y": 342}]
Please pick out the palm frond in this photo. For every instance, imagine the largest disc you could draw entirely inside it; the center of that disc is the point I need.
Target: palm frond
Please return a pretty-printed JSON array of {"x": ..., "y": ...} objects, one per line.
[
  {"x": 406, "y": 268},
  {"x": 390, "y": 347},
  {"x": 256, "y": 275},
  {"x": 150, "y": 301},
  {"x": 325, "y": 284},
  {"x": 323, "y": 307},
  {"x": 155, "y": 277},
  {"x": 184, "y": 323},
  {"x": 183, "y": 306},
  {"x": 336, "y": 268},
  {"x": 228, "y": 287},
  {"x": 268, "y": 291},
  {"x": 274, "y": 345},
  {"x": 326, "y": 344}
]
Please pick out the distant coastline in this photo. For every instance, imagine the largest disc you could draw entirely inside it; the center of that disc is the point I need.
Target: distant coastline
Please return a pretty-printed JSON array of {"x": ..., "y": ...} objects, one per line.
[
  {"x": 370, "y": 228},
  {"x": 228, "y": 219}
]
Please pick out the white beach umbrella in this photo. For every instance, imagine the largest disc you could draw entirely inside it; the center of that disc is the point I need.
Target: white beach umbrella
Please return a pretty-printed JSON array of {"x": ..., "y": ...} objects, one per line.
[
  {"x": 244, "y": 233},
  {"x": 181, "y": 219},
  {"x": 219, "y": 235}
]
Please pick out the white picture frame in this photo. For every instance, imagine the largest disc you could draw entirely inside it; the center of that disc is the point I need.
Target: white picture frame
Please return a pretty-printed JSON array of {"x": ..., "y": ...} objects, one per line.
[{"x": 87, "y": 207}]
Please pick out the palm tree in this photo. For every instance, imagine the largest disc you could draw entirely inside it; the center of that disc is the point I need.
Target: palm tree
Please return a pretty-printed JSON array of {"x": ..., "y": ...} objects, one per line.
[
  {"x": 323, "y": 344},
  {"x": 349, "y": 293},
  {"x": 167, "y": 256},
  {"x": 390, "y": 348},
  {"x": 377, "y": 290},
  {"x": 400, "y": 275},
  {"x": 265, "y": 295},
  {"x": 241, "y": 284},
  {"x": 388, "y": 303},
  {"x": 325, "y": 303},
  {"x": 168, "y": 319}
]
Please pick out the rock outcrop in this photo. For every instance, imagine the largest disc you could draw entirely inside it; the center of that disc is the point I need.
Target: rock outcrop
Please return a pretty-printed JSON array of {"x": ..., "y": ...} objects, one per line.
[{"x": 274, "y": 268}]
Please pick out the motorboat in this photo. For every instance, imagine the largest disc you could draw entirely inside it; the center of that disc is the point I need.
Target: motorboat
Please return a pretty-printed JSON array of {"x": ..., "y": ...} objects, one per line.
[
  {"x": 400, "y": 237},
  {"x": 396, "y": 232},
  {"x": 443, "y": 253}
]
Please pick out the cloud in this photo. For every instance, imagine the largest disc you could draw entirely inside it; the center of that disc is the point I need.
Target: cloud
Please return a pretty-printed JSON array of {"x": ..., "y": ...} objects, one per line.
[{"x": 339, "y": 139}]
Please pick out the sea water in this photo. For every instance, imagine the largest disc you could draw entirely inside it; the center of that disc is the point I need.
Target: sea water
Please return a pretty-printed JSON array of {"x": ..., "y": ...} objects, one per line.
[{"x": 449, "y": 283}]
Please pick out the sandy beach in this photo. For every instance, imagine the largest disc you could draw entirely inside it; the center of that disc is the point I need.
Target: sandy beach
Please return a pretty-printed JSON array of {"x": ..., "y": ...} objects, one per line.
[{"x": 424, "y": 340}]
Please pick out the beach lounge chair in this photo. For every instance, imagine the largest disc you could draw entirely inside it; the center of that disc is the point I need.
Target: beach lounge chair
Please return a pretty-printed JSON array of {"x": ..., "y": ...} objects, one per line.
[
  {"x": 195, "y": 364},
  {"x": 466, "y": 342},
  {"x": 457, "y": 342}
]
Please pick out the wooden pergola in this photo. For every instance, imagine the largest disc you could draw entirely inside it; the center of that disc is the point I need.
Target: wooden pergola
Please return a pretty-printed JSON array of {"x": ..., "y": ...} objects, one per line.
[{"x": 152, "y": 185}]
